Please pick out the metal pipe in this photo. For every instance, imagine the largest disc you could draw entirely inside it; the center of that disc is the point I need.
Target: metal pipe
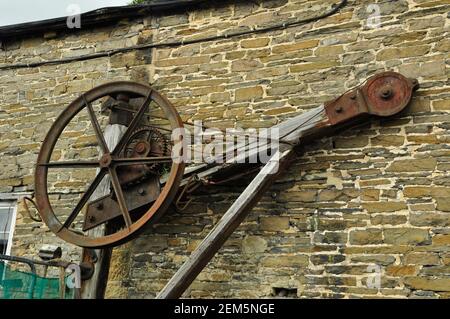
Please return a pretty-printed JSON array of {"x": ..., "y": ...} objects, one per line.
[{"x": 30, "y": 263}]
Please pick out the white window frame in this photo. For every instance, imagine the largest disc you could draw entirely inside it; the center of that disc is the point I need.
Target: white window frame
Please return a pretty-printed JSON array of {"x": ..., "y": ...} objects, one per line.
[{"x": 11, "y": 203}]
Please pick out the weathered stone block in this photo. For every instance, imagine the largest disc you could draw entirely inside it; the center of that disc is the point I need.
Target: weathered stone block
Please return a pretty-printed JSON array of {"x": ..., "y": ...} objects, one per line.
[
  {"x": 312, "y": 66},
  {"x": 384, "y": 207},
  {"x": 254, "y": 43},
  {"x": 248, "y": 94},
  {"x": 357, "y": 58},
  {"x": 285, "y": 261},
  {"x": 245, "y": 65},
  {"x": 330, "y": 50},
  {"x": 280, "y": 110},
  {"x": 352, "y": 142},
  {"x": 329, "y": 195},
  {"x": 330, "y": 237},
  {"x": 427, "y": 23},
  {"x": 219, "y": 97},
  {"x": 326, "y": 259},
  {"x": 423, "y": 139},
  {"x": 400, "y": 271},
  {"x": 399, "y": 53},
  {"x": 254, "y": 245},
  {"x": 443, "y": 204},
  {"x": 388, "y": 140},
  {"x": 425, "y": 259},
  {"x": 283, "y": 48},
  {"x": 428, "y": 283},
  {"x": 429, "y": 69},
  {"x": 441, "y": 240},
  {"x": 264, "y": 73},
  {"x": 370, "y": 194},
  {"x": 429, "y": 219},
  {"x": 413, "y": 165},
  {"x": 182, "y": 61},
  {"x": 146, "y": 244},
  {"x": 366, "y": 237},
  {"x": 406, "y": 236},
  {"x": 274, "y": 223},
  {"x": 383, "y": 260},
  {"x": 441, "y": 105}
]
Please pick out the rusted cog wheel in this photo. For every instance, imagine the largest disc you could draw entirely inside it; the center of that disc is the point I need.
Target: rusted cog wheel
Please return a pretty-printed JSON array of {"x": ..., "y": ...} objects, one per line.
[{"x": 107, "y": 165}]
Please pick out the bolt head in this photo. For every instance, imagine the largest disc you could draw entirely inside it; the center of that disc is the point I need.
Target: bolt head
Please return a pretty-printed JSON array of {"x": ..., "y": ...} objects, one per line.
[
  {"x": 105, "y": 160},
  {"x": 386, "y": 92}
]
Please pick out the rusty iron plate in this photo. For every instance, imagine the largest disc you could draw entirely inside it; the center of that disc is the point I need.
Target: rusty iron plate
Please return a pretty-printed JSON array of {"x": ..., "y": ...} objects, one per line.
[{"x": 106, "y": 208}]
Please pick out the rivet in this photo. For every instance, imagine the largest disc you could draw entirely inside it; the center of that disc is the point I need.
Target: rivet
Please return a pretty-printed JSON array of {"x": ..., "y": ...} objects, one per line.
[
  {"x": 100, "y": 206},
  {"x": 141, "y": 191},
  {"x": 339, "y": 109}
]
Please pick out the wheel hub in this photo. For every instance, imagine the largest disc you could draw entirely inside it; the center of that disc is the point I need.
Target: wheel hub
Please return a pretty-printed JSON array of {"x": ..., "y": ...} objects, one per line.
[
  {"x": 142, "y": 148},
  {"x": 105, "y": 160}
]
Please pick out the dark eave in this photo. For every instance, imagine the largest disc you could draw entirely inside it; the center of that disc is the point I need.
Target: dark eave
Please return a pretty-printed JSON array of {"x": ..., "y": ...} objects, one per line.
[{"x": 95, "y": 18}]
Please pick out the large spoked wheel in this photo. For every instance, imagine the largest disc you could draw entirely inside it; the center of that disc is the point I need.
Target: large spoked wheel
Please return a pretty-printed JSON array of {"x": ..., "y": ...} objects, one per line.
[{"x": 107, "y": 163}]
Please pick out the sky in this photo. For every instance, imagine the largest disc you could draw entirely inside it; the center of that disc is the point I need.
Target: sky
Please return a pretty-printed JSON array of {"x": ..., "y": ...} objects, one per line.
[{"x": 18, "y": 11}]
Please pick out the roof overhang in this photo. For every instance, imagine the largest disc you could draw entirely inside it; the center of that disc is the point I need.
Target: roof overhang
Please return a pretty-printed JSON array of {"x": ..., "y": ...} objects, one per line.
[{"x": 95, "y": 18}]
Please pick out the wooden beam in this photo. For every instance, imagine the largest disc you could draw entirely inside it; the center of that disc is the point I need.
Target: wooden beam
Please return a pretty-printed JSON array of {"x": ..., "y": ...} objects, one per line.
[
  {"x": 226, "y": 226},
  {"x": 289, "y": 133},
  {"x": 95, "y": 287}
]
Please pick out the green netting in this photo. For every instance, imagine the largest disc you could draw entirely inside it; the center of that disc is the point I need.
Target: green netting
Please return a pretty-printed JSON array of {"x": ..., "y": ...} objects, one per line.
[{"x": 15, "y": 284}]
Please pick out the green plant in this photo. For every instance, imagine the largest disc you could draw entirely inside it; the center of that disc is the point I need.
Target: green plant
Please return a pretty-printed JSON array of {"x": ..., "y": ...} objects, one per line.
[{"x": 138, "y": 1}]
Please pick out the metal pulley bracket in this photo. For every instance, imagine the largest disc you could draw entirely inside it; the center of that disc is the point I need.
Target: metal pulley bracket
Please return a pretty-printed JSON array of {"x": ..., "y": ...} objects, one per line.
[
  {"x": 106, "y": 208},
  {"x": 384, "y": 94}
]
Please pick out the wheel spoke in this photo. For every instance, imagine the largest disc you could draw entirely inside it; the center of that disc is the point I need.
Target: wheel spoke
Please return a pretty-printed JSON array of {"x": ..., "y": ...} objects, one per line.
[
  {"x": 134, "y": 111},
  {"x": 84, "y": 199},
  {"x": 133, "y": 125},
  {"x": 96, "y": 125},
  {"x": 120, "y": 197},
  {"x": 141, "y": 160},
  {"x": 72, "y": 164}
]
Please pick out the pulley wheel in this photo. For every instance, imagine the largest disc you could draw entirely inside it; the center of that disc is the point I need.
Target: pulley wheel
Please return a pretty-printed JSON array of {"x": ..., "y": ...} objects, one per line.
[{"x": 104, "y": 163}]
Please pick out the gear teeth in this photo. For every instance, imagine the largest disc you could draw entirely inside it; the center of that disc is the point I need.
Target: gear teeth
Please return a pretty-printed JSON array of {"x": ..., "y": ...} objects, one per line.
[{"x": 150, "y": 133}]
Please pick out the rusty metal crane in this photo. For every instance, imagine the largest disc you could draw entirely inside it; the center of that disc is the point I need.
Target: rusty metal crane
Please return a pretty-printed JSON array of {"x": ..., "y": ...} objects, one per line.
[{"x": 146, "y": 173}]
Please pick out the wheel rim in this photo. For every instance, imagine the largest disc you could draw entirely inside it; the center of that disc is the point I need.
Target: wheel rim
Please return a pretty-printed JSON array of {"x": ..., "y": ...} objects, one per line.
[{"x": 157, "y": 208}]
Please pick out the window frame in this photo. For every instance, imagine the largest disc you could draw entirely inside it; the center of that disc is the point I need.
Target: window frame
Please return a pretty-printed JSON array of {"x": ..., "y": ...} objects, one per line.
[{"x": 10, "y": 203}]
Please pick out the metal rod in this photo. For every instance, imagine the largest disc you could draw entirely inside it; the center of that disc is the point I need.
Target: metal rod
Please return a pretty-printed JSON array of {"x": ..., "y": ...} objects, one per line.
[{"x": 29, "y": 263}]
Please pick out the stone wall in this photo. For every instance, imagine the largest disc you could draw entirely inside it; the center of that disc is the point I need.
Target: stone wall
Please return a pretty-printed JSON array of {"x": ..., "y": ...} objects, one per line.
[{"x": 371, "y": 199}]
